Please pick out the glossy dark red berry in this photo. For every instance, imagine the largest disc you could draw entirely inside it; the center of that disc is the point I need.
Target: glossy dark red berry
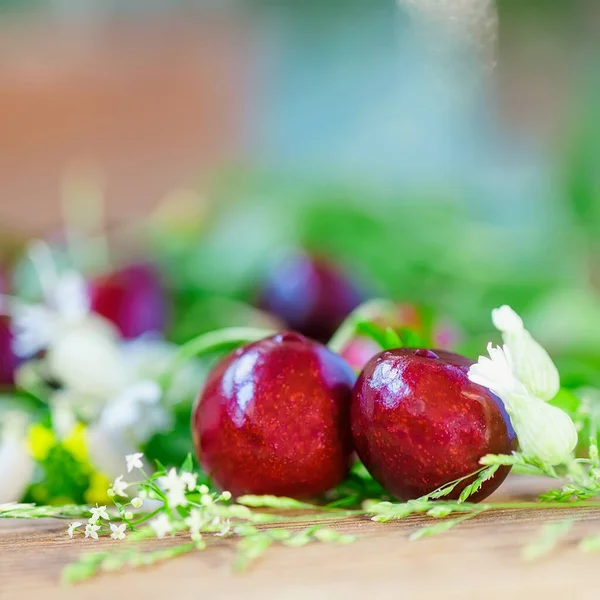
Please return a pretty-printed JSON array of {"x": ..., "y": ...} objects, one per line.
[
  {"x": 133, "y": 298},
  {"x": 273, "y": 418},
  {"x": 310, "y": 294},
  {"x": 418, "y": 422},
  {"x": 8, "y": 360}
]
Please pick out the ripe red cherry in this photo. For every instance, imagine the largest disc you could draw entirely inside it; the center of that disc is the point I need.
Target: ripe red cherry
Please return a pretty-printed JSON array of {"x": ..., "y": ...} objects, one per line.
[
  {"x": 418, "y": 422},
  {"x": 8, "y": 360},
  {"x": 132, "y": 298},
  {"x": 274, "y": 418},
  {"x": 310, "y": 294}
]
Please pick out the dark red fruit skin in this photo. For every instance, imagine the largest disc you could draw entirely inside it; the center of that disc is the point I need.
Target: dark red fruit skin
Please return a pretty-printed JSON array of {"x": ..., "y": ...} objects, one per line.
[
  {"x": 274, "y": 418},
  {"x": 310, "y": 294},
  {"x": 133, "y": 298},
  {"x": 419, "y": 423},
  {"x": 8, "y": 360}
]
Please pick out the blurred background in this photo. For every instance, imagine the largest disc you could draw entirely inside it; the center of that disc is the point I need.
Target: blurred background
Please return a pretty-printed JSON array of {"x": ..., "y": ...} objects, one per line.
[
  {"x": 280, "y": 161},
  {"x": 466, "y": 129}
]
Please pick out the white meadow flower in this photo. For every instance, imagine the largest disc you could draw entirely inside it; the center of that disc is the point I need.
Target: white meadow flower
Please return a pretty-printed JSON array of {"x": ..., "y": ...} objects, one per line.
[
  {"x": 119, "y": 486},
  {"x": 195, "y": 522},
  {"x": 73, "y": 527},
  {"x": 545, "y": 432},
  {"x": 225, "y": 528},
  {"x": 531, "y": 363},
  {"x": 134, "y": 461},
  {"x": 136, "y": 411},
  {"x": 118, "y": 531},
  {"x": 92, "y": 531},
  {"x": 16, "y": 463},
  {"x": 190, "y": 480},
  {"x": 175, "y": 488},
  {"x": 99, "y": 512},
  {"x": 65, "y": 303},
  {"x": 161, "y": 525},
  {"x": 75, "y": 356}
]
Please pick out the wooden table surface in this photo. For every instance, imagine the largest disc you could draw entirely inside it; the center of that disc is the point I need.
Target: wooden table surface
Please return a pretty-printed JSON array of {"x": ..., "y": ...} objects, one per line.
[{"x": 480, "y": 559}]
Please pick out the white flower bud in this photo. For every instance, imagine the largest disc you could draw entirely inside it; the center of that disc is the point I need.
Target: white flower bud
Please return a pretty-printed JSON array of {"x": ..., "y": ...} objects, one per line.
[
  {"x": 128, "y": 515},
  {"x": 137, "y": 503},
  {"x": 545, "y": 432},
  {"x": 531, "y": 363}
]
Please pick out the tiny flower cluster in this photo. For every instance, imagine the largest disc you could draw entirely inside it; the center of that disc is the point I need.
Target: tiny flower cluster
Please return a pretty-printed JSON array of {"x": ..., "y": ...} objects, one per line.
[
  {"x": 523, "y": 376},
  {"x": 176, "y": 503}
]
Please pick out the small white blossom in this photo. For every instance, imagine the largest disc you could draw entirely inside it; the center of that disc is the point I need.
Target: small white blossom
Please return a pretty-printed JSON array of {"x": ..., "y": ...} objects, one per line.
[
  {"x": 118, "y": 487},
  {"x": 92, "y": 531},
  {"x": 134, "y": 461},
  {"x": 225, "y": 528},
  {"x": 206, "y": 500},
  {"x": 175, "y": 487},
  {"x": 203, "y": 489},
  {"x": 99, "y": 512},
  {"x": 195, "y": 522},
  {"x": 189, "y": 479},
  {"x": 118, "y": 531},
  {"x": 545, "y": 432},
  {"x": 65, "y": 303},
  {"x": 531, "y": 363},
  {"x": 161, "y": 525},
  {"x": 73, "y": 527},
  {"x": 137, "y": 503}
]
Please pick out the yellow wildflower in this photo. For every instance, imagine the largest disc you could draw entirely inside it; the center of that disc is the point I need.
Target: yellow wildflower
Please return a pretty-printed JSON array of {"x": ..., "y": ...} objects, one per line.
[
  {"x": 97, "y": 491},
  {"x": 40, "y": 440},
  {"x": 75, "y": 443}
]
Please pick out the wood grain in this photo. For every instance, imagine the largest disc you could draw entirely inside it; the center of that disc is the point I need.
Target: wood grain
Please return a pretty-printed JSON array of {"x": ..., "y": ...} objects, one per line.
[{"x": 480, "y": 559}]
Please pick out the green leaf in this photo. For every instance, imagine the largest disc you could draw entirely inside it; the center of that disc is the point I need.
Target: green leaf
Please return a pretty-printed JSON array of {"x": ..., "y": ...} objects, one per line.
[
  {"x": 550, "y": 535},
  {"x": 433, "y": 529},
  {"x": 249, "y": 549},
  {"x": 484, "y": 476},
  {"x": 392, "y": 339},
  {"x": 188, "y": 464}
]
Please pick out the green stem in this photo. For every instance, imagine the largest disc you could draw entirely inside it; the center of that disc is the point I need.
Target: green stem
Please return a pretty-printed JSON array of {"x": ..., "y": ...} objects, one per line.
[
  {"x": 147, "y": 516},
  {"x": 222, "y": 339}
]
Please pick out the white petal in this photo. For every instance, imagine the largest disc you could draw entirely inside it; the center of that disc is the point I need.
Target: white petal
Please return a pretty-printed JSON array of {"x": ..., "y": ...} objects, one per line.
[
  {"x": 86, "y": 360},
  {"x": 545, "y": 432},
  {"x": 531, "y": 363},
  {"x": 70, "y": 297},
  {"x": 16, "y": 470},
  {"x": 506, "y": 320}
]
